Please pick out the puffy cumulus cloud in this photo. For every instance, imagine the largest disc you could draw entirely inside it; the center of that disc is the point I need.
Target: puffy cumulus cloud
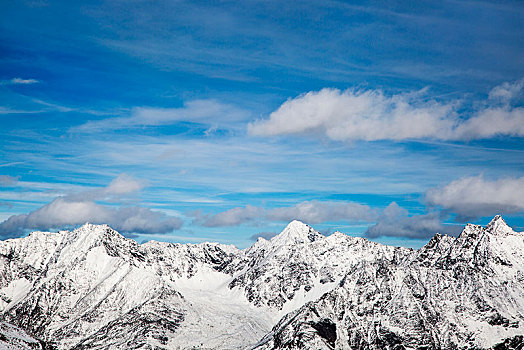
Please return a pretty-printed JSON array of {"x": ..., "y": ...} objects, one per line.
[
  {"x": 490, "y": 122},
  {"x": 312, "y": 212},
  {"x": 8, "y": 181},
  {"x": 396, "y": 222},
  {"x": 371, "y": 115},
  {"x": 356, "y": 115},
  {"x": 63, "y": 212},
  {"x": 78, "y": 208},
  {"x": 473, "y": 197},
  {"x": 197, "y": 111}
]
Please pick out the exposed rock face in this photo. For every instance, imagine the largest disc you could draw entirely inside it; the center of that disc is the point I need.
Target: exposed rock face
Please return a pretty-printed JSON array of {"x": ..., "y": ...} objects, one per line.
[
  {"x": 14, "y": 338},
  {"x": 92, "y": 288},
  {"x": 463, "y": 293},
  {"x": 302, "y": 261}
]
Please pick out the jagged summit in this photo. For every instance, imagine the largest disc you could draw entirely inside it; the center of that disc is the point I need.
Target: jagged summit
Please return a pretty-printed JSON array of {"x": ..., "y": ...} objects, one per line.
[
  {"x": 89, "y": 227},
  {"x": 498, "y": 225},
  {"x": 296, "y": 232}
]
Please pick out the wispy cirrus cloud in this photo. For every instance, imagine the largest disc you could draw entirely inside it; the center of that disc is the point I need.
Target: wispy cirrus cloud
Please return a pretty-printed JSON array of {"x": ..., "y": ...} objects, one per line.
[
  {"x": 475, "y": 196},
  {"x": 121, "y": 186},
  {"x": 197, "y": 111},
  {"x": 6, "y": 180},
  {"x": 81, "y": 207},
  {"x": 19, "y": 81},
  {"x": 371, "y": 115}
]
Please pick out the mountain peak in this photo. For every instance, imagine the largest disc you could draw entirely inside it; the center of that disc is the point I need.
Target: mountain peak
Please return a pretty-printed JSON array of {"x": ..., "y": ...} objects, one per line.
[
  {"x": 498, "y": 225},
  {"x": 90, "y": 227},
  {"x": 297, "y": 225},
  {"x": 296, "y": 232}
]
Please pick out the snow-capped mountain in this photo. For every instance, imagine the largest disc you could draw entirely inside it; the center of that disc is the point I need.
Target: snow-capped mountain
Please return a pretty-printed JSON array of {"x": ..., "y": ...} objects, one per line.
[
  {"x": 464, "y": 293},
  {"x": 93, "y": 288},
  {"x": 300, "y": 265}
]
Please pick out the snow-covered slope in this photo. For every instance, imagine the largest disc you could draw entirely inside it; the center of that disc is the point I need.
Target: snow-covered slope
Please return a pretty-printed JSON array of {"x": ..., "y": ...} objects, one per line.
[
  {"x": 93, "y": 288},
  {"x": 463, "y": 293}
]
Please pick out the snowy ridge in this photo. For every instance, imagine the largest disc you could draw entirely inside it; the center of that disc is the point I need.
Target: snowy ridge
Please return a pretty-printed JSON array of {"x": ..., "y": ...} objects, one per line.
[
  {"x": 93, "y": 288},
  {"x": 465, "y": 293}
]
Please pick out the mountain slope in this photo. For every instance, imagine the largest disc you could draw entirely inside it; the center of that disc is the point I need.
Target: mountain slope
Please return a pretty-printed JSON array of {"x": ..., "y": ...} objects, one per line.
[{"x": 453, "y": 293}]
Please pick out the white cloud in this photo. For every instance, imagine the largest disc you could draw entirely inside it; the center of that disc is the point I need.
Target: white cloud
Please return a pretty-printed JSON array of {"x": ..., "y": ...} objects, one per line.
[
  {"x": 312, "y": 212},
  {"x": 63, "y": 212},
  {"x": 19, "y": 81},
  {"x": 78, "y": 208},
  {"x": 396, "y": 222},
  {"x": 506, "y": 91},
  {"x": 492, "y": 121},
  {"x": 371, "y": 115},
  {"x": 315, "y": 212},
  {"x": 121, "y": 186},
  {"x": 231, "y": 217},
  {"x": 7, "y": 181},
  {"x": 472, "y": 197},
  {"x": 197, "y": 111}
]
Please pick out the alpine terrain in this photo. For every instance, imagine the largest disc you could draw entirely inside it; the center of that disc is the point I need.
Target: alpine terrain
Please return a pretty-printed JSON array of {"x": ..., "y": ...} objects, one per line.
[{"x": 92, "y": 288}]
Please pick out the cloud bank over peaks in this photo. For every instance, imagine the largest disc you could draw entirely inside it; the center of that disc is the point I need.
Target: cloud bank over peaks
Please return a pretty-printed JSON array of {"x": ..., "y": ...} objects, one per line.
[
  {"x": 395, "y": 221},
  {"x": 473, "y": 197},
  {"x": 312, "y": 212},
  {"x": 78, "y": 208},
  {"x": 371, "y": 115}
]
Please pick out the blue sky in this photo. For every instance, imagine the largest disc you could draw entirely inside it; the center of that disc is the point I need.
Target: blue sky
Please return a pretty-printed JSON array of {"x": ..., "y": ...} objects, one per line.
[{"x": 194, "y": 121}]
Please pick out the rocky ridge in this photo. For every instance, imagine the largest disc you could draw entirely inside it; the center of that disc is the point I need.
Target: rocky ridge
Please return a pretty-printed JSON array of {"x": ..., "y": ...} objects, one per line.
[
  {"x": 463, "y": 293},
  {"x": 93, "y": 288}
]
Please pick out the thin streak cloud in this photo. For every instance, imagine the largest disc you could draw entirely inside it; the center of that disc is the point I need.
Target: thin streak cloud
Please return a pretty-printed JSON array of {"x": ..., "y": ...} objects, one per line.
[{"x": 19, "y": 81}]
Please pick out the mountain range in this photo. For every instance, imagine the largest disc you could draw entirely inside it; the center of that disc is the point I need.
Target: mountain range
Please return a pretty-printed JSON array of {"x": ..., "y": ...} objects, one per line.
[{"x": 92, "y": 288}]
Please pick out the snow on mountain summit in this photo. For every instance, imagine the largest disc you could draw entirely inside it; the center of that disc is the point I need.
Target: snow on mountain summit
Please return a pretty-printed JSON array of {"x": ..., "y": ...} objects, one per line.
[
  {"x": 498, "y": 225},
  {"x": 296, "y": 232}
]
